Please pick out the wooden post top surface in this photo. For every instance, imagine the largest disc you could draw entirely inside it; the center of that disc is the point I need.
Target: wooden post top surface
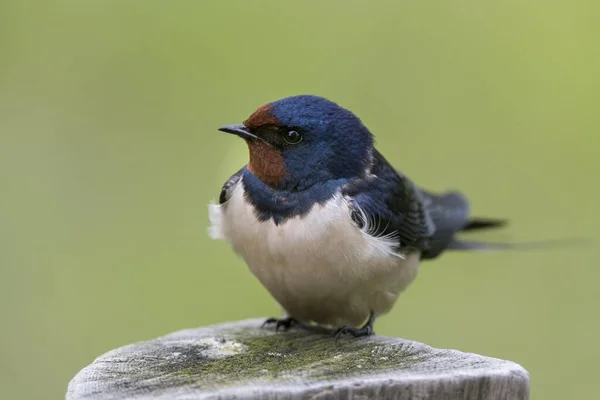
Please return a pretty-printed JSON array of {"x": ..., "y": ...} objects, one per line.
[{"x": 241, "y": 360}]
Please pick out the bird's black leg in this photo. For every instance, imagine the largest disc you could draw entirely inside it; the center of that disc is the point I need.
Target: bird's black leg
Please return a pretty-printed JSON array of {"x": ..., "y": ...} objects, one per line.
[
  {"x": 365, "y": 330},
  {"x": 290, "y": 322},
  {"x": 286, "y": 323}
]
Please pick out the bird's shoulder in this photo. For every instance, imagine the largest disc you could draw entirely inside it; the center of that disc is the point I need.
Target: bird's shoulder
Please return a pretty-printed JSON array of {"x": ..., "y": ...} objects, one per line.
[{"x": 229, "y": 184}]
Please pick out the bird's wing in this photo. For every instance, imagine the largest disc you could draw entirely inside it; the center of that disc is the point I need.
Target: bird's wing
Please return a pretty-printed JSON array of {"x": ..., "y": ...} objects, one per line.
[
  {"x": 229, "y": 184},
  {"x": 391, "y": 206}
]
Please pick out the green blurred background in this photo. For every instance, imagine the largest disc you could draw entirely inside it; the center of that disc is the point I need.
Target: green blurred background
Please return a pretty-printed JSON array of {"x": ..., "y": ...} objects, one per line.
[{"x": 109, "y": 156}]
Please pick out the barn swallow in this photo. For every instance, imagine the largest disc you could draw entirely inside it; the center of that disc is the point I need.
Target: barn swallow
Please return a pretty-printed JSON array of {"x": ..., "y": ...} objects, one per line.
[{"x": 324, "y": 222}]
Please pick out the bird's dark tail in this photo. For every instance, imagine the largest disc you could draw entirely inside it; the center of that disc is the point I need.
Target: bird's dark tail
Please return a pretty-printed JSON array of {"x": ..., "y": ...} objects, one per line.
[
  {"x": 445, "y": 239},
  {"x": 469, "y": 245},
  {"x": 484, "y": 223},
  {"x": 490, "y": 223}
]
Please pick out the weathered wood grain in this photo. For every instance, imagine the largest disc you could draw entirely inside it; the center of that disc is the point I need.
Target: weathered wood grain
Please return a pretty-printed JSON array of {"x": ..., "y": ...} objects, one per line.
[{"x": 241, "y": 360}]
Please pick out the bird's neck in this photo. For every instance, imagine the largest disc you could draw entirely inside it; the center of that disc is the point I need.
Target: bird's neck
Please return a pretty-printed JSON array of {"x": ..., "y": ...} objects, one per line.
[{"x": 282, "y": 204}]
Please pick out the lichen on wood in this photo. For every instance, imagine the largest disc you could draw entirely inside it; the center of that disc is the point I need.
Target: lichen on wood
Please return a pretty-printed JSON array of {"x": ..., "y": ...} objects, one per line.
[{"x": 242, "y": 359}]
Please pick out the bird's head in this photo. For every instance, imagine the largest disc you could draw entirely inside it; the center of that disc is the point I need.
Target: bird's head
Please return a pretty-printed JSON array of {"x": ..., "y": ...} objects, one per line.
[{"x": 297, "y": 142}]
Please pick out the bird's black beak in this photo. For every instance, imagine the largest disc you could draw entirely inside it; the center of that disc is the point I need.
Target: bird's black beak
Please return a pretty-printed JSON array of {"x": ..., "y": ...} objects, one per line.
[
  {"x": 242, "y": 131},
  {"x": 239, "y": 130}
]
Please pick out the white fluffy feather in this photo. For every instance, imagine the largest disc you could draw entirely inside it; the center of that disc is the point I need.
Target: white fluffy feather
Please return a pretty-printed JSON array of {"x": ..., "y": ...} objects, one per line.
[{"x": 320, "y": 267}]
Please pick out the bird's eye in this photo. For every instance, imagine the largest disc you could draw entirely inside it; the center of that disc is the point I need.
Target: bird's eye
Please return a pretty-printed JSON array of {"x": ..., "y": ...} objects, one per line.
[{"x": 293, "y": 137}]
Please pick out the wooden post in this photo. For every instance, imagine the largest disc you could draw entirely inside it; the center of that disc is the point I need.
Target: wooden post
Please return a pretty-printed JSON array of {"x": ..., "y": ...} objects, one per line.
[{"x": 241, "y": 360}]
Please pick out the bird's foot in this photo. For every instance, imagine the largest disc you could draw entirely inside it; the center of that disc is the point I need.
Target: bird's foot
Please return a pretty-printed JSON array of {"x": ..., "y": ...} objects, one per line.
[
  {"x": 286, "y": 323},
  {"x": 356, "y": 332},
  {"x": 365, "y": 330}
]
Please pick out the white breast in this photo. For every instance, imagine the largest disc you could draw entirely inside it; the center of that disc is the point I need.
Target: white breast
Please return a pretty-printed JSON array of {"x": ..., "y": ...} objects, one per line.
[{"x": 320, "y": 267}]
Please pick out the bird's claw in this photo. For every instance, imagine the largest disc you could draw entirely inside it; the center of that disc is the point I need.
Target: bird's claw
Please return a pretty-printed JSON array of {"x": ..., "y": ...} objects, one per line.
[
  {"x": 366, "y": 330},
  {"x": 286, "y": 323}
]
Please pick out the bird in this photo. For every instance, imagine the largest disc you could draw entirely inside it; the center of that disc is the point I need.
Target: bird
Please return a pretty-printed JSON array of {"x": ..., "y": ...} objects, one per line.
[{"x": 325, "y": 223}]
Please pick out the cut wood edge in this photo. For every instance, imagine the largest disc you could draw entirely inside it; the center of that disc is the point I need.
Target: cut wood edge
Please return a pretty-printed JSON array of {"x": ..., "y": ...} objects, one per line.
[{"x": 239, "y": 359}]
